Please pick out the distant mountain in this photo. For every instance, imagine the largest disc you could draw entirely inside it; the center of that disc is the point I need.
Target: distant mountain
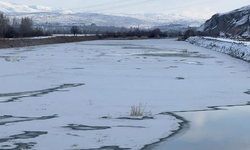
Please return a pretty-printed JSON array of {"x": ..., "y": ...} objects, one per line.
[
  {"x": 163, "y": 18},
  {"x": 81, "y": 19},
  {"x": 233, "y": 23},
  {"x": 13, "y": 8},
  {"x": 59, "y": 16},
  {"x": 16, "y": 8},
  {"x": 106, "y": 19}
]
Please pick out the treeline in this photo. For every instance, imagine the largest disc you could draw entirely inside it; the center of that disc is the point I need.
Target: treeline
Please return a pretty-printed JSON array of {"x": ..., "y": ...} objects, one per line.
[
  {"x": 154, "y": 33},
  {"x": 95, "y": 29},
  {"x": 86, "y": 29},
  {"x": 193, "y": 32},
  {"x": 14, "y": 28}
]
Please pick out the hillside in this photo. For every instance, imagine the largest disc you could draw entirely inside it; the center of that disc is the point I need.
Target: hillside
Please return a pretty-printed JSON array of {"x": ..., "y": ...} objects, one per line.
[
  {"x": 143, "y": 20},
  {"x": 60, "y": 16},
  {"x": 230, "y": 24},
  {"x": 16, "y": 8}
]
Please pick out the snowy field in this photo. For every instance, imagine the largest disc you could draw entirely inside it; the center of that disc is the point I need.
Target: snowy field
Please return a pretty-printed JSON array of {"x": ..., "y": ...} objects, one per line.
[{"x": 79, "y": 95}]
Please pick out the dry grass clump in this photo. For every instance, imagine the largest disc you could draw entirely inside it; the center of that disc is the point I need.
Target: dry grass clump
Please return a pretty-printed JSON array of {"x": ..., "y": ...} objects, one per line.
[
  {"x": 138, "y": 110},
  {"x": 184, "y": 51}
]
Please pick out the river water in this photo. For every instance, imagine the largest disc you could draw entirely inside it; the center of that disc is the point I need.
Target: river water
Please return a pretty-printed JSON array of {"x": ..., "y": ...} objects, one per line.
[{"x": 224, "y": 129}]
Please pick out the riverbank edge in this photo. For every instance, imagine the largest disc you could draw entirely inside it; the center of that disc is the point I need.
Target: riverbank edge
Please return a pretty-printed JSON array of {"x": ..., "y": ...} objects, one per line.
[
  {"x": 19, "y": 42},
  {"x": 235, "y": 49},
  {"x": 25, "y": 42}
]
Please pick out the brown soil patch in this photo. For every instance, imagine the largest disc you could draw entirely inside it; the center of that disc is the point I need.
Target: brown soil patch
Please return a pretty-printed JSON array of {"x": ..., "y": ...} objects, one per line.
[{"x": 10, "y": 43}]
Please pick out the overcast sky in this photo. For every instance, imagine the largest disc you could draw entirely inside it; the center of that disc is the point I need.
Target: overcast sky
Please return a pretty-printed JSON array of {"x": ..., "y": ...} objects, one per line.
[{"x": 190, "y": 8}]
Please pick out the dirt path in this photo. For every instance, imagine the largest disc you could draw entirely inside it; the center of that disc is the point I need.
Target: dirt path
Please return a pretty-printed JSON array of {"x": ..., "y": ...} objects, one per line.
[{"x": 7, "y": 43}]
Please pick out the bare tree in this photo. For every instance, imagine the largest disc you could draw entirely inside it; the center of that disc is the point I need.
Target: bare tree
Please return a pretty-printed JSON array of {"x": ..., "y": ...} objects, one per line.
[
  {"x": 189, "y": 33},
  {"x": 4, "y": 24},
  {"x": 75, "y": 30},
  {"x": 15, "y": 23},
  {"x": 26, "y": 26}
]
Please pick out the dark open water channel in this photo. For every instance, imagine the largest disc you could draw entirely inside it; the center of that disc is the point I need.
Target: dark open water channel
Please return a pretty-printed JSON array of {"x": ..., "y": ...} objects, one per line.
[{"x": 225, "y": 129}]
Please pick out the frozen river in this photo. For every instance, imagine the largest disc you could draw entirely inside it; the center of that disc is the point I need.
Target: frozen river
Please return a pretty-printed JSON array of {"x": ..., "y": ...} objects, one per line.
[{"x": 79, "y": 95}]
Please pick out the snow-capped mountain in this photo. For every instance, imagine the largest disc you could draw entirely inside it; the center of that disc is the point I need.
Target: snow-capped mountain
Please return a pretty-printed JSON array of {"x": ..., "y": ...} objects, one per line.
[
  {"x": 81, "y": 19},
  {"x": 17, "y": 8},
  {"x": 233, "y": 23},
  {"x": 105, "y": 19},
  {"x": 42, "y": 15},
  {"x": 162, "y": 19},
  {"x": 11, "y": 8}
]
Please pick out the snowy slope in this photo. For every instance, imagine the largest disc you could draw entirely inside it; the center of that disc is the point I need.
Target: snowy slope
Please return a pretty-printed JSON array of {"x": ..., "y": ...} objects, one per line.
[
  {"x": 81, "y": 19},
  {"x": 68, "y": 18},
  {"x": 163, "y": 18},
  {"x": 42, "y": 14},
  {"x": 234, "y": 48},
  {"x": 233, "y": 23},
  {"x": 14, "y": 8},
  {"x": 11, "y": 8},
  {"x": 242, "y": 9}
]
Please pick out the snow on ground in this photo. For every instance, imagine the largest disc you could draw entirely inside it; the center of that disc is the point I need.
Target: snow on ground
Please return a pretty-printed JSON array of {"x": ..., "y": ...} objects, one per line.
[
  {"x": 234, "y": 48},
  {"x": 229, "y": 40},
  {"x": 88, "y": 86}
]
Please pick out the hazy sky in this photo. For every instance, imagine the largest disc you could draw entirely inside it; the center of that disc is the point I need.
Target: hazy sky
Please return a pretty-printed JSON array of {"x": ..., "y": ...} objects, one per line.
[{"x": 191, "y": 8}]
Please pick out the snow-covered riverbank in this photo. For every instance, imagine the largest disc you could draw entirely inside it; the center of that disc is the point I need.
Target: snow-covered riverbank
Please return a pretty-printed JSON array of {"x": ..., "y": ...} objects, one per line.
[{"x": 238, "y": 49}]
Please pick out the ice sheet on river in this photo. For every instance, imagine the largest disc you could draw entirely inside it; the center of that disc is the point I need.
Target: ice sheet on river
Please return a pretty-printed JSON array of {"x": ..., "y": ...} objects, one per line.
[{"x": 116, "y": 75}]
